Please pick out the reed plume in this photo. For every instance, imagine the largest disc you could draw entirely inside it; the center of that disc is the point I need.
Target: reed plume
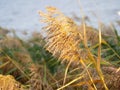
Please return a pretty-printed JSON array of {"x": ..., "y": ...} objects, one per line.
[{"x": 63, "y": 36}]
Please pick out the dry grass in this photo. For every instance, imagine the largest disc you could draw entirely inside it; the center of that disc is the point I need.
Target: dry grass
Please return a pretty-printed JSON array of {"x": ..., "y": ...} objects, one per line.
[
  {"x": 112, "y": 77},
  {"x": 36, "y": 81},
  {"x": 9, "y": 83},
  {"x": 10, "y": 42}
]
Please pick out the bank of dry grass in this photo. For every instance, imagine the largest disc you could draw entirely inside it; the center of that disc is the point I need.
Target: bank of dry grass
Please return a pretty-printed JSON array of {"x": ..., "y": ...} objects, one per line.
[{"x": 68, "y": 57}]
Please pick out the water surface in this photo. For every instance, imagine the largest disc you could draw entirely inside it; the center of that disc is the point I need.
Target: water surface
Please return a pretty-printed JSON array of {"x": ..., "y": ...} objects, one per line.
[{"x": 23, "y": 14}]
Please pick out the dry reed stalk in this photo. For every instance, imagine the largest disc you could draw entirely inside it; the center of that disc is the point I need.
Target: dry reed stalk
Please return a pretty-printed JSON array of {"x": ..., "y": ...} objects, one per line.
[{"x": 64, "y": 38}]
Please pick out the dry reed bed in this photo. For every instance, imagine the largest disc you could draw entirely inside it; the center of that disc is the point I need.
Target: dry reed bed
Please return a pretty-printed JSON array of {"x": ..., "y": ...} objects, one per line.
[{"x": 76, "y": 47}]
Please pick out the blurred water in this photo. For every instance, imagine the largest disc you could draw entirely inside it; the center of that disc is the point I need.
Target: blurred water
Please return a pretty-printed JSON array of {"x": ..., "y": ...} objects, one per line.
[{"x": 23, "y": 14}]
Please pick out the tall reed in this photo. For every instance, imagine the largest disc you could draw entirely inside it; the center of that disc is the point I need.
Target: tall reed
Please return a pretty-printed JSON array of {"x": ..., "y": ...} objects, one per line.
[{"x": 71, "y": 44}]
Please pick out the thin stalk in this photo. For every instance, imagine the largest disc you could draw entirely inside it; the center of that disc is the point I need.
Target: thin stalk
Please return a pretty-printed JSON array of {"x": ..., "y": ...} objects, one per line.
[
  {"x": 81, "y": 61},
  {"x": 76, "y": 79},
  {"x": 66, "y": 71}
]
